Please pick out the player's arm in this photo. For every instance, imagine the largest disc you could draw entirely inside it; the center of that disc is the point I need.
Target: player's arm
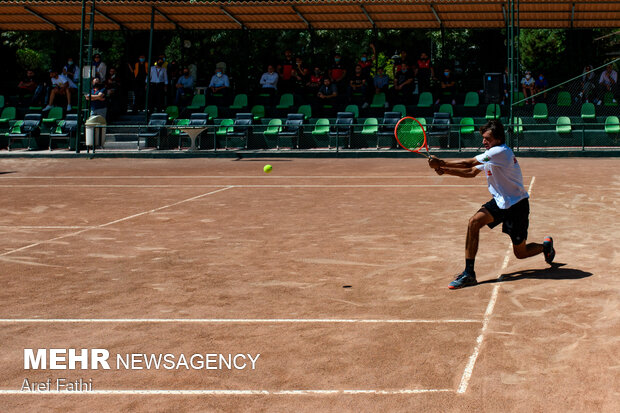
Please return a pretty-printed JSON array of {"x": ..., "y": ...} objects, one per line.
[
  {"x": 434, "y": 162},
  {"x": 461, "y": 172}
]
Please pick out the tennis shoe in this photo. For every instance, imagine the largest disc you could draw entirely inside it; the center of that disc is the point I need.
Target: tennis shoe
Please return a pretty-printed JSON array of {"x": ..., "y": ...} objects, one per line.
[
  {"x": 464, "y": 279},
  {"x": 548, "y": 250}
]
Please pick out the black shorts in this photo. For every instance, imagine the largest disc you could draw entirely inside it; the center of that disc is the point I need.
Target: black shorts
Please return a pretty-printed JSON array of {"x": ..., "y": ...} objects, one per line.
[{"x": 515, "y": 220}]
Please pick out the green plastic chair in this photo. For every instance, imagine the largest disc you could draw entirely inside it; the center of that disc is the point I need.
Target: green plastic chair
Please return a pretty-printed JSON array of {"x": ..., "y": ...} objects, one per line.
[
  {"x": 400, "y": 108},
  {"x": 273, "y": 128},
  {"x": 612, "y": 124},
  {"x": 519, "y": 97},
  {"x": 240, "y": 102},
  {"x": 564, "y": 99},
  {"x": 9, "y": 113},
  {"x": 378, "y": 101},
  {"x": 198, "y": 102},
  {"x": 471, "y": 100},
  {"x": 211, "y": 110},
  {"x": 494, "y": 111},
  {"x": 353, "y": 108},
  {"x": 321, "y": 127},
  {"x": 258, "y": 111},
  {"x": 1, "y": 101},
  {"x": 371, "y": 126},
  {"x": 173, "y": 112},
  {"x": 178, "y": 122},
  {"x": 467, "y": 126},
  {"x": 608, "y": 99},
  {"x": 306, "y": 110},
  {"x": 588, "y": 111},
  {"x": 518, "y": 125},
  {"x": 446, "y": 108},
  {"x": 540, "y": 111},
  {"x": 53, "y": 116},
  {"x": 286, "y": 101},
  {"x": 425, "y": 100},
  {"x": 225, "y": 126},
  {"x": 563, "y": 125}
]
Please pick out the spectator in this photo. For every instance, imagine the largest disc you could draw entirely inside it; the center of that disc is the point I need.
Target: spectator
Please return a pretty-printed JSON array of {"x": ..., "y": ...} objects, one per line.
[
  {"x": 337, "y": 72},
  {"x": 448, "y": 88},
  {"x": 358, "y": 85},
  {"x": 219, "y": 85},
  {"x": 588, "y": 84},
  {"x": 608, "y": 82},
  {"x": 506, "y": 85},
  {"x": 100, "y": 67},
  {"x": 61, "y": 85},
  {"x": 328, "y": 91},
  {"x": 97, "y": 96},
  {"x": 381, "y": 83},
  {"x": 403, "y": 85},
  {"x": 162, "y": 57},
  {"x": 541, "y": 85},
  {"x": 527, "y": 85},
  {"x": 71, "y": 70},
  {"x": 315, "y": 81},
  {"x": 285, "y": 71},
  {"x": 425, "y": 72},
  {"x": 184, "y": 86},
  {"x": 269, "y": 82},
  {"x": 400, "y": 59},
  {"x": 159, "y": 85},
  {"x": 365, "y": 63},
  {"x": 140, "y": 71},
  {"x": 301, "y": 76},
  {"x": 27, "y": 87},
  {"x": 113, "y": 92}
]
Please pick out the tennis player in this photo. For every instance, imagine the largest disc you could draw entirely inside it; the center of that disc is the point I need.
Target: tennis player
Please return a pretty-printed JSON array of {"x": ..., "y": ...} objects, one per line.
[{"x": 509, "y": 206}]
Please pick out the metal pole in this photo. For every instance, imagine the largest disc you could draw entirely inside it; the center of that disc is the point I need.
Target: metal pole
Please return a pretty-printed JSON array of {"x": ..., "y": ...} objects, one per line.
[
  {"x": 511, "y": 68},
  {"x": 148, "y": 72},
  {"x": 78, "y": 132}
]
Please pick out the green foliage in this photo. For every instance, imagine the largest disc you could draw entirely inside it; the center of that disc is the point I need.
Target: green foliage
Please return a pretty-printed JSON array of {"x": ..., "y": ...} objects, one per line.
[
  {"x": 542, "y": 50},
  {"x": 32, "y": 59}
]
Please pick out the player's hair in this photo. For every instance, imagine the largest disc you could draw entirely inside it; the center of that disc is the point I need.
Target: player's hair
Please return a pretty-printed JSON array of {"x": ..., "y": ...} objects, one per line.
[{"x": 496, "y": 128}]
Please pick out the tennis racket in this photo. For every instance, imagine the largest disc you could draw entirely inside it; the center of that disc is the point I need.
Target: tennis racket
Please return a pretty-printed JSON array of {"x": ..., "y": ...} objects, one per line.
[{"x": 411, "y": 135}]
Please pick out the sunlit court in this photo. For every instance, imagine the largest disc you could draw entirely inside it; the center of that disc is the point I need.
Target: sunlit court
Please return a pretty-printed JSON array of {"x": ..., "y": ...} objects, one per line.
[{"x": 321, "y": 286}]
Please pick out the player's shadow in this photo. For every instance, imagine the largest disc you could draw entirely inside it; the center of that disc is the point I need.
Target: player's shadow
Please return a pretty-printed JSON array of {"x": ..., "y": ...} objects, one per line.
[
  {"x": 555, "y": 272},
  {"x": 7, "y": 172}
]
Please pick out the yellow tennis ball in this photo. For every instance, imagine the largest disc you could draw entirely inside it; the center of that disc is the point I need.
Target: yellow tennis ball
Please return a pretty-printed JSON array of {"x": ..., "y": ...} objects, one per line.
[{"x": 267, "y": 169}]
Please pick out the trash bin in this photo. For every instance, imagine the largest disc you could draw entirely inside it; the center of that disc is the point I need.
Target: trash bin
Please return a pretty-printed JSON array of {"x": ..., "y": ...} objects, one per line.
[{"x": 95, "y": 133}]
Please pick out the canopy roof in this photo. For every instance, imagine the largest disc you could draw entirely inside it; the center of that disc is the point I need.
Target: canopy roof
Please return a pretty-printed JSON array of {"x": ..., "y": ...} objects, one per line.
[{"x": 27, "y": 15}]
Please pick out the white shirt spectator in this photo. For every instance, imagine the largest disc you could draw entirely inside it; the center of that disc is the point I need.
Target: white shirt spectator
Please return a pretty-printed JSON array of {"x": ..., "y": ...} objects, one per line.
[
  {"x": 159, "y": 75},
  {"x": 76, "y": 74},
  {"x": 609, "y": 79},
  {"x": 91, "y": 71},
  {"x": 269, "y": 80},
  {"x": 61, "y": 80},
  {"x": 186, "y": 82}
]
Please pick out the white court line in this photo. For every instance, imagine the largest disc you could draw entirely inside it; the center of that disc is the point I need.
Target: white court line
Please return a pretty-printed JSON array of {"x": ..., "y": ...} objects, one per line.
[
  {"x": 469, "y": 368},
  {"x": 43, "y": 227},
  {"x": 113, "y": 222},
  {"x": 242, "y": 186},
  {"x": 221, "y": 392},
  {"x": 235, "y": 177},
  {"x": 232, "y": 320}
]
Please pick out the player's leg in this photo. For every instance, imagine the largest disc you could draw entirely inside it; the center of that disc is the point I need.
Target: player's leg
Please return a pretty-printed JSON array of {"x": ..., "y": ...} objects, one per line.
[
  {"x": 516, "y": 225},
  {"x": 476, "y": 222},
  {"x": 526, "y": 250}
]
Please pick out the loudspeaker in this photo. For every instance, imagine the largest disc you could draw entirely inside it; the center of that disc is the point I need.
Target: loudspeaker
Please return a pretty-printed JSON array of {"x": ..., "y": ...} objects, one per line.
[{"x": 493, "y": 87}]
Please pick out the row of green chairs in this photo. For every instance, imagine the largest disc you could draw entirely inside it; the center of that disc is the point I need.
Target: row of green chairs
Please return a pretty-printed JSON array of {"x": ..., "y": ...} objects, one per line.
[
  {"x": 563, "y": 125},
  {"x": 588, "y": 111}
]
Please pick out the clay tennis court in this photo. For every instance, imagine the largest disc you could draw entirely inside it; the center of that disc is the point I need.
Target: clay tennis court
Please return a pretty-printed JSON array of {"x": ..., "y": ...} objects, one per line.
[{"x": 334, "y": 271}]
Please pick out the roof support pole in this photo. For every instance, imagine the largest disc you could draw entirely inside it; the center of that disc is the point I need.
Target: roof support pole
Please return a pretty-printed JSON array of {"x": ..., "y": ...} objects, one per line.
[
  {"x": 45, "y": 19},
  {"x": 148, "y": 72},
  {"x": 78, "y": 132},
  {"x": 91, "y": 32},
  {"x": 511, "y": 67}
]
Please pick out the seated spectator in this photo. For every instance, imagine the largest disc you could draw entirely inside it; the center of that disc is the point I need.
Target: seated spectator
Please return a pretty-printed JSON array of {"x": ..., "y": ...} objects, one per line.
[
  {"x": 447, "y": 87},
  {"x": 315, "y": 81},
  {"x": 403, "y": 85},
  {"x": 219, "y": 85},
  {"x": 62, "y": 86},
  {"x": 71, "y": 70},
  {"x": 608, "y": 82},
  {"x": 365, "y": 63},
  {"x": 184, "y": 86},
  {"x": 425, "y": 72},
  {"x": 381, "y": 81},
  {"x": 328, "y": 92},
  {"x": 528, "y": 84},
  {"x": 357, "y": 85},
  {"x": 27, "y": 87},
  {"x": 97, "y": 96},
  {"x": 269, "y": 83},
  {"x": 588, "y": 85},
  {"x": 541, "y": 85}
]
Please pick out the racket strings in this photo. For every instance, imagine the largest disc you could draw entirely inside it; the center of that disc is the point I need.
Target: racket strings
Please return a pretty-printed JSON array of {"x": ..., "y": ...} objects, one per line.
[{"x": 410, "y": 134}]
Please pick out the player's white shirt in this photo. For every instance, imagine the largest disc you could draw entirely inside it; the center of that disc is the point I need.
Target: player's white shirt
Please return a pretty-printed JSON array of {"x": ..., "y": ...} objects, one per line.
[
  {"x": 503, "y": 175},
  {"x": 61, "y": 80}
]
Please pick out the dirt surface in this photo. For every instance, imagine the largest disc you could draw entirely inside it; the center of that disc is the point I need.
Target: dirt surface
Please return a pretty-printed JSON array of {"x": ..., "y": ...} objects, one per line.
[{"x": 334, "y": 271}]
